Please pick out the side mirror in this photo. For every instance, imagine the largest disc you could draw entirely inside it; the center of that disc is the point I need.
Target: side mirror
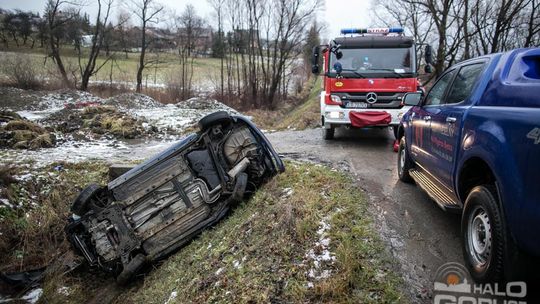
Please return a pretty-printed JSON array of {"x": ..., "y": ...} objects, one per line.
[
  {"x": 428, "y": 69},
  {"x": 338, "y": 67},
  {"x": 412, "y": 99},
  {"x": 428, "y": 52},
  {"x": 339, "y": 55},
  {"x": 315, "y": 60}
]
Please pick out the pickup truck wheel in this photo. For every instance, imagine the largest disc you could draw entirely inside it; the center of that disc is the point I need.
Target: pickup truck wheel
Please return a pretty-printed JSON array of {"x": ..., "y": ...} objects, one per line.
[
  {"x": 404, "y": 162},
  {"x": 483, "y": 235},
  {"x": 328, "y": 134},
  {"x": 82, "y": 203}
]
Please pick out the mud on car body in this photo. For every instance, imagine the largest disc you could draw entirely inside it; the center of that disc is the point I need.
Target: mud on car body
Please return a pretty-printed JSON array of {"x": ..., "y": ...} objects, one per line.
[{"x": 158, "y": 206}]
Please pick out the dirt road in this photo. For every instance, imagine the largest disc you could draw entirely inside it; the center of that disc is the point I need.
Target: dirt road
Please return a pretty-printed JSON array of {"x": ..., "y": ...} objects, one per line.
[{"x": 420, "y": 236}]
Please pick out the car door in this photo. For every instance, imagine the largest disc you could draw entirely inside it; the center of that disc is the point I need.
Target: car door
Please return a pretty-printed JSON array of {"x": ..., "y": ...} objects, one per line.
[
  {"x": 446, "y": 122},
  {"x": 421, "y": 119}
]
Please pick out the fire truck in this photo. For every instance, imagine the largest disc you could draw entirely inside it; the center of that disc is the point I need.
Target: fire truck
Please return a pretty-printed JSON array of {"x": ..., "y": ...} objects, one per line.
[{"x": 366, "y": 73}]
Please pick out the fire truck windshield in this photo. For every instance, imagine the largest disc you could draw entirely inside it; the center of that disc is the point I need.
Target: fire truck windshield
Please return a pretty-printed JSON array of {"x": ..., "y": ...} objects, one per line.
[{"x": 375, "y": 62}]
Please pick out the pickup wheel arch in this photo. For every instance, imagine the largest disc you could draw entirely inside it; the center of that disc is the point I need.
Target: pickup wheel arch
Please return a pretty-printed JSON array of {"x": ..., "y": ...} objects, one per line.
[{"x": 474, "y": 172}]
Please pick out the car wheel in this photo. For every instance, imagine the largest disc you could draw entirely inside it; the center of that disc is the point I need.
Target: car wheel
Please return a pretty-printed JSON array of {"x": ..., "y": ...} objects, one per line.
[
  {"x": 328, "y": 134},
  {"x": 82, "y": 203},
  {"x": 131, "y": 269},
  {"x": 220, "y": 117},
  {"x": 404, "y": 162},
  {"x": 483, "y": 235},
  {"x": 240, "y": 187}
]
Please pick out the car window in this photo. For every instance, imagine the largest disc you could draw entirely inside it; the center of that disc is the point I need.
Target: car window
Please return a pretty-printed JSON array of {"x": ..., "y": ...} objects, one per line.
[
  {"x": 436, "y": 94},
  {"x": 464, "y": 82}
]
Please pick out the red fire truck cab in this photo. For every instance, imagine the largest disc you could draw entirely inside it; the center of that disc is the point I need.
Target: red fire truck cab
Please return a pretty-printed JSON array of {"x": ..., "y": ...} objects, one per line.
[{"x": 366, "y": 73}]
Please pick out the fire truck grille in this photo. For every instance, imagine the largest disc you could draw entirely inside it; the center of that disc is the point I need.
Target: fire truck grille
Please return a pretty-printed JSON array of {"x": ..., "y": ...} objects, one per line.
[{"x": 382, "y": 100}]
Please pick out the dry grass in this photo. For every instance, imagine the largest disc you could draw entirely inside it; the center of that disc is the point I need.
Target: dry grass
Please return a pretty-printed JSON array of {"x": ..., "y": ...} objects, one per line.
[
  {"x": 258, "y": 254},
  {"x": 290, "y": 116},
  {"x": 32, "y": 234}
]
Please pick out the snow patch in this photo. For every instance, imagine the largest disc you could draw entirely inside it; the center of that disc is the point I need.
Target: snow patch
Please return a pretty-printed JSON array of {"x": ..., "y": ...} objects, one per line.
[
  {"x": 171, "y": 298},
  {"x": 320, "y": 257},
  {"x": 33, "y": 295}
]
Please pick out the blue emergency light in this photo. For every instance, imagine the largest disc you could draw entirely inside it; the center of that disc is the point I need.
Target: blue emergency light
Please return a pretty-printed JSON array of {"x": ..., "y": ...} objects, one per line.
[{"x": 384, "y": 30}]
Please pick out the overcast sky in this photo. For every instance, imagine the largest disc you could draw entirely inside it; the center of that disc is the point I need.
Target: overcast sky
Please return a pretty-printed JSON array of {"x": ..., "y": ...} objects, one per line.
[{"x": 337, "y": 14}]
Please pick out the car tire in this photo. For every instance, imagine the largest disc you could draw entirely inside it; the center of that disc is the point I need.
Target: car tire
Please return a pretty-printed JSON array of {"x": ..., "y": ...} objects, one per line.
[
  {"x": 131, "y": 269},
  {"x": 328, "y": 133},
  {"x": 81, "y": 204},
  {"x": 216, "y": 118},
  {"x": 240, "y": 187},
  {"x": 404, "y": 162},
  {"x": 484, "y": 236}
]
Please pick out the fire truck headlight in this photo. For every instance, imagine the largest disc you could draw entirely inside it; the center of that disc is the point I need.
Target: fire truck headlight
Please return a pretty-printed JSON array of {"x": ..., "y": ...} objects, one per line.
[{"x": 335, "y": 98}]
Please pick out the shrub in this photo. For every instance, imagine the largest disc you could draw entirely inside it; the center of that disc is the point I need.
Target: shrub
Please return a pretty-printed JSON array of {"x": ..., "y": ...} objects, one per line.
[{"x": 21, "y": 72}]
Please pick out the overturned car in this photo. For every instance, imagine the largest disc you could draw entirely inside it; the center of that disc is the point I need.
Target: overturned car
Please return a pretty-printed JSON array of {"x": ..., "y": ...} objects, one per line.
[{"x": 159, "y": 205}]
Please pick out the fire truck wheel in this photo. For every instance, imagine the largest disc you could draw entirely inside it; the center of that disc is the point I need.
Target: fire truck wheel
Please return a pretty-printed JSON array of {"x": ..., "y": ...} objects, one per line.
[
  {"x": 328, "y": 134},
  {"x": 395, "y": 129}
]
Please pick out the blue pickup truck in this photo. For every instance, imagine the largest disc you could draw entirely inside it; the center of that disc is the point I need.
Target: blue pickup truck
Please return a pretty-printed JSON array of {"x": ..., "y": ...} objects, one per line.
[{"x": 473, "y": 144}]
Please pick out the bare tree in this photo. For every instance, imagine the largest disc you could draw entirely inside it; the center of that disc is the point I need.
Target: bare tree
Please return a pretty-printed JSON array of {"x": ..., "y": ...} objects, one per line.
[
  {"x": 55, "y": 22},
  {"x": 217, "y": 5},
  {"x": 147, "y": 12},
  {"x": 90, "y": 68},
  {"x": 188, "y": 27}
]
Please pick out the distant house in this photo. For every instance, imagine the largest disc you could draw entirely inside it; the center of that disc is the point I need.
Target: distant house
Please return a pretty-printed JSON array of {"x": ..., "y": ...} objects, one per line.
[{"x": 86, "y": 40}]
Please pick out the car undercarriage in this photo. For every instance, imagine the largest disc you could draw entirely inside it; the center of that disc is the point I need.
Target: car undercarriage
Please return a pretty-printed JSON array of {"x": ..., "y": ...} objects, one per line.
[{"x": 158, "y": 206}]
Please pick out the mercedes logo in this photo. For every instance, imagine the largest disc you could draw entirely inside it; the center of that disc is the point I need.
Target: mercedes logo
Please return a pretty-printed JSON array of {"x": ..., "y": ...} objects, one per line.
[{"x": 371, "y": 97}]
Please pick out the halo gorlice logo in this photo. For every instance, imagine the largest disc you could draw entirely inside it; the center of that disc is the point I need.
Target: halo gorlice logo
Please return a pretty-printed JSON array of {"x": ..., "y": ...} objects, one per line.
[{"x": 454, "y": 285}]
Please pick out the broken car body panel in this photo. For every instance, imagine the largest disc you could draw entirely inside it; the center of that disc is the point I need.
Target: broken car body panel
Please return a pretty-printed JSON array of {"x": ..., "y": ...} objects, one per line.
[{"x": 159, "y": 205}]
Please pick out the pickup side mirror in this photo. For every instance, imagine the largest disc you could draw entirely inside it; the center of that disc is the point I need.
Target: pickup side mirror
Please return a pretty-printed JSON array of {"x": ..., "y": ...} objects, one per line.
[
  {"x": 412, "y": 99},
  {"x": 315, "y": 69},
  {"x": 428, "y": 69},
  {"x": 428, "y": 52}
]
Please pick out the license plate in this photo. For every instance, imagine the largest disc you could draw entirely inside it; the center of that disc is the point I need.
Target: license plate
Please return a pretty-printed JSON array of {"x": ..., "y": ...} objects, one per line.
[{"x": 355, "y": 104}]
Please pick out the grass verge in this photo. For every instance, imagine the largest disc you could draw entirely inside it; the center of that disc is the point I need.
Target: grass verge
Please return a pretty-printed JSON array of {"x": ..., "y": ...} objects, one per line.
[
  {"x": 304, "y": 237},
  {"x": 32, "y": 231},
  {"x": 303, "y": 116}
]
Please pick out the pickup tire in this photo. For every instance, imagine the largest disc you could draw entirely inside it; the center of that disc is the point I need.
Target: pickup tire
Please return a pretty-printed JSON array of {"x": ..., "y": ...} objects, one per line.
[
  {"x": 404, "y": 162},
  {"x": 328, "y": 133},
  {"x": 484, "y": 236}
]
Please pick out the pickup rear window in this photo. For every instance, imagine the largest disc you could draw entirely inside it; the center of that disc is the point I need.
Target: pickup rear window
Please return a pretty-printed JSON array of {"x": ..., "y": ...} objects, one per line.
[{"x": 464, "y": 83}]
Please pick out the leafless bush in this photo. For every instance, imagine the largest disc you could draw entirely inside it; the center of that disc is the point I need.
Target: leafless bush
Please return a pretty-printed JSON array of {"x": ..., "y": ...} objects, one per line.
[
  {"x": 178, "y": 84},
  {"x": 21, "y": 72}
]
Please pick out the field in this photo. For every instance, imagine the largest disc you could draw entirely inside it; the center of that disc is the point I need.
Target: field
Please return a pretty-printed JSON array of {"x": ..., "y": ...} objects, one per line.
[{"x": 123, "y": 69}]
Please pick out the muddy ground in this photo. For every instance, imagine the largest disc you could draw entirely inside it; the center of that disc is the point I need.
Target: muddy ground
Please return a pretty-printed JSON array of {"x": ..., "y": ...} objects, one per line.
[{"x": 420, "y": 236}]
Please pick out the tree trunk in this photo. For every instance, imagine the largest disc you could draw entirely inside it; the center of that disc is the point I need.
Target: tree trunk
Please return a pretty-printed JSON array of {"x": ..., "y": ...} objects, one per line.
[{"x": 140, "y": 69}]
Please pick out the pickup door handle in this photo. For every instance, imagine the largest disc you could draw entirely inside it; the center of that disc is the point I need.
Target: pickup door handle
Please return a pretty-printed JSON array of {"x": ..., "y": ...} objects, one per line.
[
  {"x": 450, "y": 119},
  {"x": 427, "y": 118}
]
